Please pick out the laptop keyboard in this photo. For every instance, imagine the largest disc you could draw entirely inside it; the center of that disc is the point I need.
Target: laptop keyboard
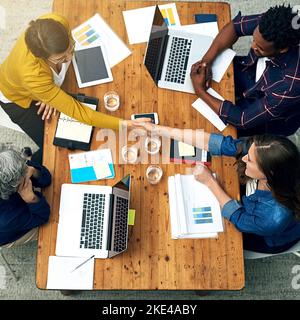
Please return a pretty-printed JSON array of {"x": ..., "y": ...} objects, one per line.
[
  {"x": 92, "y": 221},
  {"x": 120, "y": 233},
  {"x": 178, "y": 60}
]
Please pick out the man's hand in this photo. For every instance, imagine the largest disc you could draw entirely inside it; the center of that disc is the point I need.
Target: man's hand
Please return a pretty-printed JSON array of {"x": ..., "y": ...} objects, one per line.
[
  {"x": 135, "y": 123},
  {"x": 198, "y": 76},
  {"x": 26, "y": 192},
  {"x": 46, "y": 110}
]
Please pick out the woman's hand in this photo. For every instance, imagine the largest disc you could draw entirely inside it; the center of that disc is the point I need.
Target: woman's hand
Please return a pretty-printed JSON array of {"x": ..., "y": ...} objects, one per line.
[
  {"x": 203, "y": 174},
  {"x": 46, "y": 109},
  {"x": 26, "y": 192},
  {"x": 135, "y": 123}
]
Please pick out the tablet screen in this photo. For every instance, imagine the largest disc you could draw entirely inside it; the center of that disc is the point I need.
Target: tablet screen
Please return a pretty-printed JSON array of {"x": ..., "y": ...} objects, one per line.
[{"x": 91, "y": 64}]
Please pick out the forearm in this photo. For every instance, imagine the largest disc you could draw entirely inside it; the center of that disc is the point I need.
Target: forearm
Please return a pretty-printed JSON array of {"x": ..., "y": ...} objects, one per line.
[
  {"x": 197, "y": 138},
  {"x": 218, "y": 191},
  {"x": 213, "y": 102},
  {"x": 225, "y": 39}
]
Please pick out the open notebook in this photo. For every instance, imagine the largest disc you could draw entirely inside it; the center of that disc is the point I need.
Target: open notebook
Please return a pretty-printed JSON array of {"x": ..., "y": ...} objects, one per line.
[{"x": 71, "y": 133}]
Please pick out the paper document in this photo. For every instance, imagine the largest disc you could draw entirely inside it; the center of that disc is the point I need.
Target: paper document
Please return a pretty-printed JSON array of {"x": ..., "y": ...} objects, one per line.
[
  {"x": 61, "y": 273},
  {"x": 221, "y": 64},
  {"x": 138, "y": 22},
  {"x": 91, "y": 165},
  {"x": 71, "y": 129},
  {"x": 96, "y": 28},
  {"x": 194, "y": 210},
  {"x": 208, "y": 112}
]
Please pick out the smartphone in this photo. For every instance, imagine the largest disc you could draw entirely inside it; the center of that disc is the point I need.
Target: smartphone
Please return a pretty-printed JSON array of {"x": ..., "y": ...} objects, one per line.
[{"x": 153, "y": 116}]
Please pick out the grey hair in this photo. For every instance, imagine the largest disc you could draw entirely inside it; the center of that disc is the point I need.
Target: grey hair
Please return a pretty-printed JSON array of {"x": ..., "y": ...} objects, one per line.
[{"x": 12, "y": 168}]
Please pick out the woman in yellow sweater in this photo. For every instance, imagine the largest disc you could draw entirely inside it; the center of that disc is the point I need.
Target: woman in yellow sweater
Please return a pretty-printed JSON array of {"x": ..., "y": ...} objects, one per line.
[{"x": 31, "y": 76}]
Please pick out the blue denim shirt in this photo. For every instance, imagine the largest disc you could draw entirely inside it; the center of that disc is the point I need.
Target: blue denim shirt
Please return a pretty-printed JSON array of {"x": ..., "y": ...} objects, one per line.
[{"x": 258, "y": 213}]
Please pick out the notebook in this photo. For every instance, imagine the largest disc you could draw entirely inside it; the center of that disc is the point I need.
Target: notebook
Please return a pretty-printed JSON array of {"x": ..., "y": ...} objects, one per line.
[
  {"x": 71, "y": 133},
  {"x": 91, "y": 165}
]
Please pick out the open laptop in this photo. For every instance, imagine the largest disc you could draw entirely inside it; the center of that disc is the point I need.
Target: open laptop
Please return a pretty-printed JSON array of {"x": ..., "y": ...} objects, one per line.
[
  {"x": 93, "y": 220},
  {"x": 171, "y": 53}
]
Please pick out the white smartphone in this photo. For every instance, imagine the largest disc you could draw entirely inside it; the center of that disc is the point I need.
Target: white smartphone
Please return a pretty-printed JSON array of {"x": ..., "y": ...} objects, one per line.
[{"x": 153, "y": 116}]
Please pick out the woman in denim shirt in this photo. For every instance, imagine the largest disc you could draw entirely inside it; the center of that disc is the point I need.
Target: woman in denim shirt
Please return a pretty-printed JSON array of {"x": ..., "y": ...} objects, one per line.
[{"x": 267, "y": 215}]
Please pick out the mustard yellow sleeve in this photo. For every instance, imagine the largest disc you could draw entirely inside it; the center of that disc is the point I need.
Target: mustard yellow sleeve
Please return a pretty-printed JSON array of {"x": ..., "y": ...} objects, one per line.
[{"x": 43, "y": 89}]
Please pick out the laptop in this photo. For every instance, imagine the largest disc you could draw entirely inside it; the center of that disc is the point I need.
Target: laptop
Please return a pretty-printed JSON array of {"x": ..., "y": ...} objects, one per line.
[
  {"x": 93, "y": 220},
  {"x": 170, "y": 54}
]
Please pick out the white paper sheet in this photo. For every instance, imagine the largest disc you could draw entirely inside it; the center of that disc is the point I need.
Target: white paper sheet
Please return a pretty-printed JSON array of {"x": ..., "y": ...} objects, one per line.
[
  {"x": 221, "y": 64},
  {"x": 96, "y": 28},
  {"x": 61, "y": 275},
  {"x": 207, "y": 112},
  {"x": 138, "y": 22}
]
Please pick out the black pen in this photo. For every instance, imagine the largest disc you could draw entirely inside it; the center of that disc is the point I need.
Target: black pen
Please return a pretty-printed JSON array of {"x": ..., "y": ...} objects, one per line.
[{"x": 81, "y": 264}]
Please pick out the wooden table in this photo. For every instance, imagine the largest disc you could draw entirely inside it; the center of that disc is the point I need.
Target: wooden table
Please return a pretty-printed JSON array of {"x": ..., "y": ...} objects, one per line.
[{"x": 153, "y": 260}]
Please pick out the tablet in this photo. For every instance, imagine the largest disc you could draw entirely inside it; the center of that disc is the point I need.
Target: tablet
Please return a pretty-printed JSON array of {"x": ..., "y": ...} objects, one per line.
[{"x": 91, "y": 66}]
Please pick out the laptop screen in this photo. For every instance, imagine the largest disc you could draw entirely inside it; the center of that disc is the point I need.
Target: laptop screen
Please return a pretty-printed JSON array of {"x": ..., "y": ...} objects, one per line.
[
  {"x": 156, "y": 46},
  {"x": 123, "y": 184}
]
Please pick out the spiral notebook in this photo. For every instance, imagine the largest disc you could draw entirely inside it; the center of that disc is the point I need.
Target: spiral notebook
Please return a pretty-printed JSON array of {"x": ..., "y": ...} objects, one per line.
[{"x": 72, "y": 134}]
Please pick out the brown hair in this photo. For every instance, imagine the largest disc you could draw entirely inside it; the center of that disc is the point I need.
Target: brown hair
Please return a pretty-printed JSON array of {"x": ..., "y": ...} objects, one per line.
[
  {"x": 279, "y": 160},
  {"x": 45, "y": 37}
]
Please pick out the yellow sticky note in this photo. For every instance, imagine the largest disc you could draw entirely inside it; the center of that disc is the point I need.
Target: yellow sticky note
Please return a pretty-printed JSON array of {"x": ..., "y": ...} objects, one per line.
[
  {"x": 186, "y": 150},
  {"x": 131, "y": 217}
]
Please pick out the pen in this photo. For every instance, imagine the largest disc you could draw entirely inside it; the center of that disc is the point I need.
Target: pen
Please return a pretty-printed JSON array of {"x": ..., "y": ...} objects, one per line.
[{"x": 81, "y": 264}]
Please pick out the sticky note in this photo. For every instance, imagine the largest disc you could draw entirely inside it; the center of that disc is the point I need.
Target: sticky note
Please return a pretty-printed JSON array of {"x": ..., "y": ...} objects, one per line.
[
  {"x": 131, "y": 217},
  {"x": 186, "y": 150},
  {"x": 102, "y": 170}
]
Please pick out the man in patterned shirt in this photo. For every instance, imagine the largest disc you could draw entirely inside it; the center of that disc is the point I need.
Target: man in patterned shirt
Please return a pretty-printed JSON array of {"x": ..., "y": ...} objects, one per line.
[{"x": 267, "y": 81}]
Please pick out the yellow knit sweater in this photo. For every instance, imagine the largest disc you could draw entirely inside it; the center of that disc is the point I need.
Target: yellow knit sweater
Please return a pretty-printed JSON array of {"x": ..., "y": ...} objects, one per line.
[{"x": 24, "y": 78}]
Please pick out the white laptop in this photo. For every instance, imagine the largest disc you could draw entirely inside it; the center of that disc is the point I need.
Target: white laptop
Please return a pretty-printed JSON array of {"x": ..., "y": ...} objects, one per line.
[
  {"x": 93, "y": 220},
  {"x": 171, "y": 53}
]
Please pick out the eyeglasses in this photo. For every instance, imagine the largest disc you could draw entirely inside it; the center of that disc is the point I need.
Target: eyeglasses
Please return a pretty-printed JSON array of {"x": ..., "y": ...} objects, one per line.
[{"x": 69, "y": 51}]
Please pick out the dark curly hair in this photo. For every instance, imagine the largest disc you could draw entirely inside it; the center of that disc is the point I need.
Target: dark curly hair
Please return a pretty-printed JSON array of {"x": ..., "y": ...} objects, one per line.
[{"x": 276, "y": 26}]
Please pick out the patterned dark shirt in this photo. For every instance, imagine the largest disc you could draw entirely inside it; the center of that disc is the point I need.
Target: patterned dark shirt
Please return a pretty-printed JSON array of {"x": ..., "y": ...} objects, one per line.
[{"x": 276, "y": 95}]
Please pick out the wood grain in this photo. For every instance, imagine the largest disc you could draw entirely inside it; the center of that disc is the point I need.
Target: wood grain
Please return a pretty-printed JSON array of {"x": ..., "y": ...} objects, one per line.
[{"x": 153, "y": 260}]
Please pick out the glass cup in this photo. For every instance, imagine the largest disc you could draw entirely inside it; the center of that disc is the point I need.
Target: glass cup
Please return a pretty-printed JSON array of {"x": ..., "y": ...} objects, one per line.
[
  {"x": 129, "y": 154},
  {"x": 111, "y": 101},
  {"x": 154, "y": 174},
  {"x": 152, "y": 145}
]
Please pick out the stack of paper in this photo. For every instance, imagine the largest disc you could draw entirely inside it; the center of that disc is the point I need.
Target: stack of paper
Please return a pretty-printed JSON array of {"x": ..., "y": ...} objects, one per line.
[
  {"x": 194, "y": 210},
  {"x": 91, "y": 165}
]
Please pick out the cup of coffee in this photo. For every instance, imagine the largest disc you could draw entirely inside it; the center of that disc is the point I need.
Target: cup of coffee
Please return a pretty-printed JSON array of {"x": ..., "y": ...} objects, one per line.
[
  {"x": 111, "y": 101},
  {"x": 152, "y": 145},
  {"x": 129, "y": 154},
  {"x": 154, "y": 174}
]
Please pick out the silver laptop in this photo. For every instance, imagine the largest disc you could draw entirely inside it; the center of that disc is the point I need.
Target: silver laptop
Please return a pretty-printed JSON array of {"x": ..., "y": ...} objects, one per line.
[
  {"x": 93, "y": 220},
  {"x": 171, "y": 53}
]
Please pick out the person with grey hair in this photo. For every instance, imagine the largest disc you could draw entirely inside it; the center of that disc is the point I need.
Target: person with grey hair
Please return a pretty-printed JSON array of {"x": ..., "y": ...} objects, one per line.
[{"x": 22, "y": 208}]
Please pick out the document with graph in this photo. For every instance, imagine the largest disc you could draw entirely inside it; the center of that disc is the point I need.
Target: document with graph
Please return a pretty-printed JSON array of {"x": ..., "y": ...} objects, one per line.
[{"x": 194, "y": 210}]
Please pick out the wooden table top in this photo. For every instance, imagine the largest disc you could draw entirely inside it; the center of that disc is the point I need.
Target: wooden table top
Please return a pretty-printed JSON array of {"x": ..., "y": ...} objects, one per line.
[{"x": 153, "y": 260}]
